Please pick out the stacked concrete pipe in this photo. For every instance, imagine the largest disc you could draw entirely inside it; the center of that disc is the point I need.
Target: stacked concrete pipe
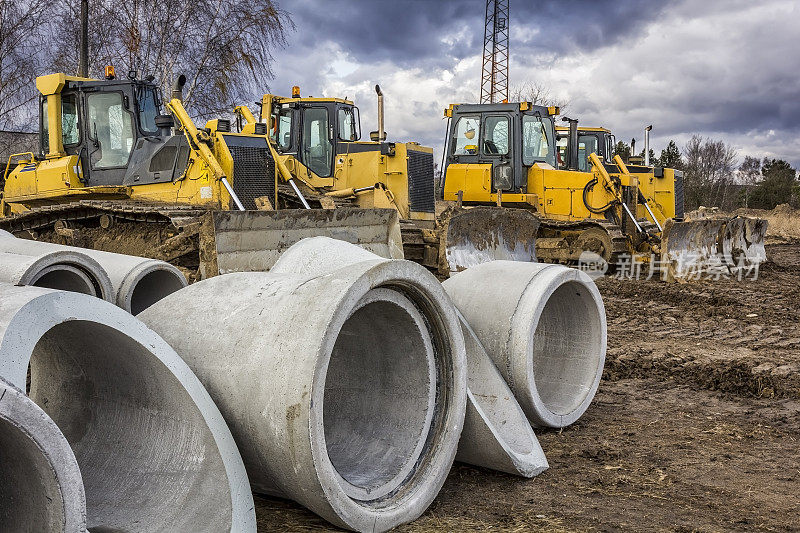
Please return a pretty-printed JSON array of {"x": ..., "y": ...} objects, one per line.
[
  {"x": 154, "y": 451},
  {"x": 43, "y": 266},
  {"x": 40, "y": 483},
  {"x": 132, "y": 283},
  {"x": 341, "y": 374},
  {"x": 544, "y": 327}
]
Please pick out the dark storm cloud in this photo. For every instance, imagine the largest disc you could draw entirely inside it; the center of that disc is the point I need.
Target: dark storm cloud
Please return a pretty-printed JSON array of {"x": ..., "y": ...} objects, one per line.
[
  {"x": 410, "y": 32},
  {"x": 721, "y": 68}
]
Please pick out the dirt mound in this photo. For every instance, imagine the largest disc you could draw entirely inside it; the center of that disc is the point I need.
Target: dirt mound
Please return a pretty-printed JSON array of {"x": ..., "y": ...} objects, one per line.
[{"x": 742, "y": 375}]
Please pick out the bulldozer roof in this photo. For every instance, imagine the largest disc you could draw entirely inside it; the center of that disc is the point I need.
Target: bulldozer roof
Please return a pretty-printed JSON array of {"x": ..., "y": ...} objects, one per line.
[
  {"x": 55, "y": 83},
  {"x": 507, "y": 107},
  {"x": 310, "y": 99},
  {"x": 580, "y": 129}
]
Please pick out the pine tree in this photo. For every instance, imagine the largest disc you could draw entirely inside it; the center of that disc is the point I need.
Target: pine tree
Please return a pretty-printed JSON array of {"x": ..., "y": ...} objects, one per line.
[
  {"x": 671, "y": 157},
  {"x": 623, "y": 150}
]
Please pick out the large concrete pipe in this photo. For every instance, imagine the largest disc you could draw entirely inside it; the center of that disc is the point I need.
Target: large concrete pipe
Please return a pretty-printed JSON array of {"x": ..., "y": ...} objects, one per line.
[
  {"x": 544, "y": 326},
  {"x": 341, "y": 374},
  {"x": 136, "y": 282},
  {"x": 59, "y": 269},
  {"x": 153, "y": 449},
  {"x": 496, "y": 432},
  {"x": 40, "y": 483}
]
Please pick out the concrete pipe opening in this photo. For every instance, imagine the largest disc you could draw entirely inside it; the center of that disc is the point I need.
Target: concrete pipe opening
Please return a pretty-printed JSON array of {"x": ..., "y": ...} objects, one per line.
[
  {"x": 41, "y": 488},
  {"x": 153, "y": 285},
  {"x": 544, "y": 327},
  {"x": 566, "y": 349},
  {"x": 65, "y": 278},
  {"x": 141, "y": 443},
  {"x": 380, "y": 393},
  {"x": 29, "y": 492}
]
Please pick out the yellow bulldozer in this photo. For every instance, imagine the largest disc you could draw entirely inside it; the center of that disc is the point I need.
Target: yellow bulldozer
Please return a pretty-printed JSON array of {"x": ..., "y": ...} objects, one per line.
[{"x": 507, "y": 155}]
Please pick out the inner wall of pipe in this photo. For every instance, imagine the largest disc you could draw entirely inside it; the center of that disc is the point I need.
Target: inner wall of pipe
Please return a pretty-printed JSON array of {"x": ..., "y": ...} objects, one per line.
[
  {"x": 66, "y": 278},
  {"x": 152, "y": 287},
  {"x": 379, "y": 397},
  {"x": 29, "y": 492},
  {"x": 567, "y": 348},
  {"x": 142, "y": 446}
]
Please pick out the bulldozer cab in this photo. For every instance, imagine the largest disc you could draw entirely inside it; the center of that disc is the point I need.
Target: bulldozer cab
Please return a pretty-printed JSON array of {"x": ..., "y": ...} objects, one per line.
[
  {"x": 114, "y": 127},
  {"x": 504, "y": 139},
  {"x": 314, "y": 130},
  {"x": 590, "y": 140}
]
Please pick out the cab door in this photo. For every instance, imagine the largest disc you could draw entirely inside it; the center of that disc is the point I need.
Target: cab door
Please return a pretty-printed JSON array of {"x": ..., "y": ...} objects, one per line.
[
  {"x": 497, "y": 140},
  {"x": 316, "y": 141}
]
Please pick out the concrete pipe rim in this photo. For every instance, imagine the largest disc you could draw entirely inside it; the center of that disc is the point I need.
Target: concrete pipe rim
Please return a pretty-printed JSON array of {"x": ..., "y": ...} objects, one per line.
[
  {"x": 414, "y": 494},
  {"x": 22, "y": 421},
  {"x": 528, "y": 328},
  {"x": 70, "y": 275},
  {"x": 148, "y": 283},
  {"x": 40, "y": 312},
  {"x": 78, "y": 265}
]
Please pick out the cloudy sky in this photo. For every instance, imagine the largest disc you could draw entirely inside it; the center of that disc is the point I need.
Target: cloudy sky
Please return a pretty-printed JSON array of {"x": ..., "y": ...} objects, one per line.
[{"x": 727, "y": 69}]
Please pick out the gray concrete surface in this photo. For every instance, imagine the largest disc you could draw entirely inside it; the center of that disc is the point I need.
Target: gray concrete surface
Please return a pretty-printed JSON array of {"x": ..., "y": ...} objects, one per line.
[
  {"x": 544, "y": 326},
  {"x": 341, "y": 374},
  {"x": 496, "y": 432},
  {"x": 135, "y": 282},
  {"x": 153, "y": 449},
  {"x": 40, "y": 484},
  {"x": 55, "y": 269}
]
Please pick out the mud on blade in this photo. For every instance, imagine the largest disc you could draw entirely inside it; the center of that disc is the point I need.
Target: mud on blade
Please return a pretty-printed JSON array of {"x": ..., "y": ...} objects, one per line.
[
  {"x": 484, "y": 234},
  {"x": 724, "y": 245},
  {"x": 252, "y": 241}
]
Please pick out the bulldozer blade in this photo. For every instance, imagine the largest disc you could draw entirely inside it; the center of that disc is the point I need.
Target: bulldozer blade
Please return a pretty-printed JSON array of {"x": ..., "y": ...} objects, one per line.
[
  {"x": 713, "y": 246},
  {"x": 252, "y": 241},
  {"x": 483, "y": 234}
]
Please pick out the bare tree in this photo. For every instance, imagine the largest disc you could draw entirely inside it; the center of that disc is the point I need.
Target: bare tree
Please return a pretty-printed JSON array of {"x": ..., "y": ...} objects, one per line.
[
  {"x": 749, "y": 173},
  {"x": 20, "y": 56},
  {"x": 709, "y": 171},
  {"x": 536, "y": 93},
  {"x": 224, "y": 48}
]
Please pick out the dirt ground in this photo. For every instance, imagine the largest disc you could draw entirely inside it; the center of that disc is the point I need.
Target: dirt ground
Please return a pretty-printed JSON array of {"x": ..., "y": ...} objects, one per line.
[{"x": 696, "y": 426}]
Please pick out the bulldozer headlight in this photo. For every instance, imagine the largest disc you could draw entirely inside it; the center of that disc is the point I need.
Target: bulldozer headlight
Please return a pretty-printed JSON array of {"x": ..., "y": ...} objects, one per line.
[{"x": 503, "y": 177}]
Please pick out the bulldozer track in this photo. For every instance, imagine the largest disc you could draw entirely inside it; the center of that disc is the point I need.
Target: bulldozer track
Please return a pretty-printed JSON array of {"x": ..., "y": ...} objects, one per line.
[
  {"x": 619, "y": 241},
  {"x": 165, "y": 232},
  {"x": 84, "y": 210}
]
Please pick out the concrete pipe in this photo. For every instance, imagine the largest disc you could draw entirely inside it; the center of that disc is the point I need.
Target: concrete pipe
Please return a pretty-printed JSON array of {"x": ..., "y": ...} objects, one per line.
[
  {"x": 56, "y": 269},
  {"x": 41, "y": 488},
  {"x": 153, "y": 449},
  {"x": 544, "y": 326},
  {"x": 496, "y": 432},
  {"x": 341, "y": 374},
  {"x": 135, "y": 282}
]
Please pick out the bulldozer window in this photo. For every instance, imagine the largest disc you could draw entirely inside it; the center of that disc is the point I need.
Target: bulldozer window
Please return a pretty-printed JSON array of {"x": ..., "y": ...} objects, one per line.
[
  {"x": 496, "y": 136},
  {"x": 537, "y": 141},
  {"x": 69, "y": 121},
  {"x": 349, "y": 127},
  {"x": 587, "y": 144},
  {"x": 148, "y": 109},
  {"x": 466, "y": 135},
  {"x": 111, "y": 129},
  {"x": 283, "y": 133},
  {"x": 317, "y": 149}
]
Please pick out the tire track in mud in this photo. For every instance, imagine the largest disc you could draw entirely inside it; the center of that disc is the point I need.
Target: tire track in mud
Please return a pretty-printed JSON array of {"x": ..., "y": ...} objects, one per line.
[{"x": 741, "y": 337}]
